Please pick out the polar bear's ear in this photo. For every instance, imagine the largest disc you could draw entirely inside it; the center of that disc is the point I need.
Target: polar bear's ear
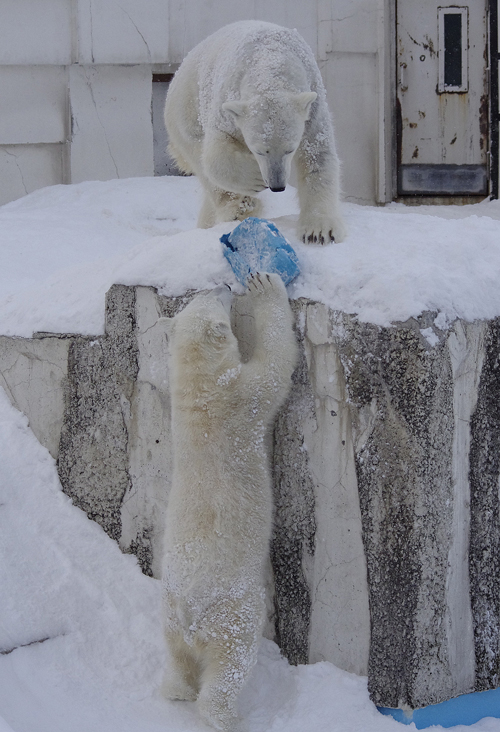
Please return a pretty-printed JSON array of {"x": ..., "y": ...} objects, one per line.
[
  {"x": 304, "y": 101},
  {"x": 238, "y": 109}
]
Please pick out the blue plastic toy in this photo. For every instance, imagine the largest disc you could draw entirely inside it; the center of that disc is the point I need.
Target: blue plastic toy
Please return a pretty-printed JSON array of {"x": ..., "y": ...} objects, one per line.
[{"x": 256, "y": 245}]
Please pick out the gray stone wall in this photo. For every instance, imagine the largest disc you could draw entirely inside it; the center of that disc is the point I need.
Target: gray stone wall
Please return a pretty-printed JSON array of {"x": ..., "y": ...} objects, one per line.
[
  {"x": 484, "y": 554},
  {"x": 385, "y": 457}
]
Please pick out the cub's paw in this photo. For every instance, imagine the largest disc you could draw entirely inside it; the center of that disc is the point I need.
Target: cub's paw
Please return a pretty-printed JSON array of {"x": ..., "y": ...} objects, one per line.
[
  {"x": 176, "y": 688},
  {"x": 322, "y": 229},
  {"x": 218, "y": 714},
  {"x": 265, "y": 283}
]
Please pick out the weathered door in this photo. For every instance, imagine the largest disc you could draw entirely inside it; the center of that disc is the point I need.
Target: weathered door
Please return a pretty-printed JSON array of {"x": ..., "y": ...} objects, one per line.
[{"x": 442, "y": 97}]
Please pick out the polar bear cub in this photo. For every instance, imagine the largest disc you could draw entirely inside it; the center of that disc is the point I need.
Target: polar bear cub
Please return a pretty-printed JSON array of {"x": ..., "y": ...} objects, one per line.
[
  {"x": 244, "y": 104},
  {"x": 220, "y": 507}
]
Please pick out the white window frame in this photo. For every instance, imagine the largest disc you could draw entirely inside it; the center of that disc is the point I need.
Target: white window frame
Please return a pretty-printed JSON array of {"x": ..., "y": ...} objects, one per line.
[{"x": 464, "y": 12}]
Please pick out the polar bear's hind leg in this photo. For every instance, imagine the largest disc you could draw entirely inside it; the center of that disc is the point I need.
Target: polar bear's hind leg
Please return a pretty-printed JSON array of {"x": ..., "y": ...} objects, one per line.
[
  {"x": 181, "y": 679},
  {"x": 230, "y": 655}
]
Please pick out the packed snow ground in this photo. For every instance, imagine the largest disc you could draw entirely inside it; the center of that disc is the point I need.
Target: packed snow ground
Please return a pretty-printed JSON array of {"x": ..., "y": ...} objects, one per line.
[{"x": 80, "y": 632}]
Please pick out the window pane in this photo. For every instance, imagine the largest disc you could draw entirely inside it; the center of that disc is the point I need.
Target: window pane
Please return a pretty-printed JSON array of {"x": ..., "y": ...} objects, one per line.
[{"x": 453, "y": 49}]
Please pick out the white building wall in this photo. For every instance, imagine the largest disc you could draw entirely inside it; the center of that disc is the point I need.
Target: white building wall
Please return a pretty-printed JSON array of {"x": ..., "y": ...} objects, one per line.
[
  {"x": 33, "y": 104},
  {"x": 128, "y": 32},
  {"x": 36, "y": 32},
  {"x": 112, "y": 134},
  {"x": 76, "y": 82}
]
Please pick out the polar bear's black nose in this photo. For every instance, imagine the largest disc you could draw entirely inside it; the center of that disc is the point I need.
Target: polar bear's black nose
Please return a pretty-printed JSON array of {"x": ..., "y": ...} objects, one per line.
[{"x": 277, "y": 190}]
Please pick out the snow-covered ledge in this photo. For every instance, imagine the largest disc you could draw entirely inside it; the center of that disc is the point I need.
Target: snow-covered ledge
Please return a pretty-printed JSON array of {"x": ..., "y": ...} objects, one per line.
[{"x": 386, "y": 548}]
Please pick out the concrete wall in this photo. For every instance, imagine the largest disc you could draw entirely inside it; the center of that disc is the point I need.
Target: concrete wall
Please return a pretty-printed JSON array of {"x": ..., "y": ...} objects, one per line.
[
  {"x": 385, "y": 460},
  {"x": 76, "y": 82}
]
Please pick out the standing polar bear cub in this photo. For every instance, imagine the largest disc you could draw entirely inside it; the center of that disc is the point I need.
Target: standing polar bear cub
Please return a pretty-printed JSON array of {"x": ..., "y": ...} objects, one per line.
[
  {"x": 244, "y": 103},
  {"x": 220, "y": 506}
]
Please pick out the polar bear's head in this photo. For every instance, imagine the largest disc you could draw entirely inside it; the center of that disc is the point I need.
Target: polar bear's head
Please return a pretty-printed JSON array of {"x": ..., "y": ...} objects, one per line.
[
  {"x": 272, "y": 128},
  {"x": 201, "y": 341}
]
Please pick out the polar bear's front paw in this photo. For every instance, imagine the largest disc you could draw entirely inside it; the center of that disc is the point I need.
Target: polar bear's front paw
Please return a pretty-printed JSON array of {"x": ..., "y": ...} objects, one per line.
[
  {"x": 262, "y": 283},
  {"x": 248, "y": 206},
  {"x": 236, "y": 207},
  {"x": 322, "y": 229}
]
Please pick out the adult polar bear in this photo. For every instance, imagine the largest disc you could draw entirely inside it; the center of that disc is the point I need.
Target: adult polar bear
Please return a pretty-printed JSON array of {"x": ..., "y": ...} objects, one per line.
[
  {"x": 220, "y": 505},
  {"x": 243, "y": 104}
]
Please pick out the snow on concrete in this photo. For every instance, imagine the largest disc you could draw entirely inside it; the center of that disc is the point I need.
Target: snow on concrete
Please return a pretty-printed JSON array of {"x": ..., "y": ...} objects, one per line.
[{"x": 63, "y": 247}]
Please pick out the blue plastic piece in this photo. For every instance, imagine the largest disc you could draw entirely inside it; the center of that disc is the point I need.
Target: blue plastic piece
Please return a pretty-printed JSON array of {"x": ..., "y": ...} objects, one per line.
[
  {"x": 256, "y": 245},
  {"x": 465, "y": 709}
]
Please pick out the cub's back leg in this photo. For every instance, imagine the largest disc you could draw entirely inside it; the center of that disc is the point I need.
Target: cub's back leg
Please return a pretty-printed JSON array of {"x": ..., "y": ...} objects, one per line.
[
  {"x": 232, "y": 637},
  {"x": 182, "y": 677}
]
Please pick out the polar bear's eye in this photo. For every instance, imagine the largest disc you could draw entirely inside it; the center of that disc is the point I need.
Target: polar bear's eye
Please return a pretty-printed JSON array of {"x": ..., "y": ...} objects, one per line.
[{"x": 288, "y": 152}]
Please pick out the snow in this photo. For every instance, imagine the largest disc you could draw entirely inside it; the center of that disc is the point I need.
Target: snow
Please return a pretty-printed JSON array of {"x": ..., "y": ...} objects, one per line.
[
  {"x": 63, "y": 247},
  {"x": 80, "y": 633}
]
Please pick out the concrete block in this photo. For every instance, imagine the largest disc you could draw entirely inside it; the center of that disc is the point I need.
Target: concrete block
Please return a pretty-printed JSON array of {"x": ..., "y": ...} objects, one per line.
[
  {"x": 125, "y": 32},
  {"x": 403, "y": 394},
  {"x": 386, "y": 542},
  {"x": 112, "y": 132},
  {"x": 34, "y": 104},
  {"x": 338, "y": 580},
  {"x": 25, "y": 168},
  {"x": 484, "y": 551},
  {"x": 93, "y": 454},
  {"x": 34, "y": 375},
  {"x": 144, "y": 504},
  {"x": 33, "y": 32}
]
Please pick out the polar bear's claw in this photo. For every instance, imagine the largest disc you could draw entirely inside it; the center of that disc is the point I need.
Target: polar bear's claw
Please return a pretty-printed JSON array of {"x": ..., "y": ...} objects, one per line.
[
  {"x": 318, "y": 238},
  {"x": 262, "y": 282},
  {"x": 321, "y": 228}
]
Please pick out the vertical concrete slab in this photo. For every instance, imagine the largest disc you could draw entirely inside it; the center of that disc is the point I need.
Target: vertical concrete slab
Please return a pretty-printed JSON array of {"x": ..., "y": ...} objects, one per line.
[
  {"x": 404, "y": 471},
  {"x": 293, "y": 541},
  {"x": 466, "y": 348},
  {"x": 93, "y": 454},
  {"x": 34, "y": 376},
  {"x": 340, "y": 621},
  {"x": 484, "y": 552},
  {"x": 112, "y": 132},
  {"x": 318, "y": 558},
  {"x": 144, "y": 503}
]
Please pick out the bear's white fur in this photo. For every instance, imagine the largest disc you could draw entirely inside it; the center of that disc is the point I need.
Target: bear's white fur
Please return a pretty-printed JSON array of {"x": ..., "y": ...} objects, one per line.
[
  {"x": 220, "y": 507},
  {"x": 243, "y": 104}
]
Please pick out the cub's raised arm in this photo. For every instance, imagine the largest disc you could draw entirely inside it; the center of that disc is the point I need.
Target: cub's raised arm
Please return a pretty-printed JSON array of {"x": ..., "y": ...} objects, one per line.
[{"x": 275, "y": 352}]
